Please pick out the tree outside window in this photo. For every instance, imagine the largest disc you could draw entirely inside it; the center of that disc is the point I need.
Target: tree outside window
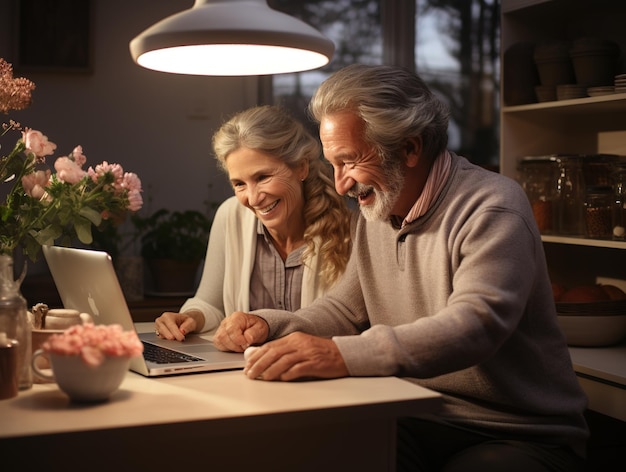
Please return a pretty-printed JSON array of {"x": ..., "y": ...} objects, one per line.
[{"x": 455, "y": 45}]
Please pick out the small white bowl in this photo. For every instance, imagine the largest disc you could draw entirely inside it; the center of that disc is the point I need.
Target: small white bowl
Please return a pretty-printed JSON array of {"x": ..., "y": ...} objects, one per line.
[{"x": 593, "y": 330}]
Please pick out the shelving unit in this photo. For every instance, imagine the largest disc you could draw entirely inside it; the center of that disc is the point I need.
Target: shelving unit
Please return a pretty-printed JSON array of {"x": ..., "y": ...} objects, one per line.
[
  {"x": 572, "y": 127},
  {"x": 566, "y": 126}
]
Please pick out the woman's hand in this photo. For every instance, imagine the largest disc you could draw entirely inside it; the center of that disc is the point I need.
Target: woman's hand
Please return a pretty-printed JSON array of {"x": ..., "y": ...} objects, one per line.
[
  {"x": 239, "y": 331},
  {"x": 177, "y": 325}
]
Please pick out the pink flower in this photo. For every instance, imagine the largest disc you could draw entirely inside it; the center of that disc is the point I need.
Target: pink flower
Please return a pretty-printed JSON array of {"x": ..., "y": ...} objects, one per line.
[
  {"x": 77, "y": 156},
  {"x": 34, "y": 183},
  {"x": 68, "y": 171},
  {"x": 37, "y": 144},
  {"x": 104, "y": 168},
  {"x": 135, "y": 201},
  {"x": 131, "y": 182},
  {"x": 94, "y": 343}
]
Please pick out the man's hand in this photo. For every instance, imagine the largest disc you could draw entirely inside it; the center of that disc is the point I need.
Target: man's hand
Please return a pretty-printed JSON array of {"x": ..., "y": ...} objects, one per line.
[
  {"x": 239, "y": 331},
  {"x": 295, "y": 356}
]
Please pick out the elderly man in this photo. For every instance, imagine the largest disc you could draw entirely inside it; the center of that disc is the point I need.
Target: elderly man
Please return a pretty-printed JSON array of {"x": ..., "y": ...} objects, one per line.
[{"x": 447, "y": 286}]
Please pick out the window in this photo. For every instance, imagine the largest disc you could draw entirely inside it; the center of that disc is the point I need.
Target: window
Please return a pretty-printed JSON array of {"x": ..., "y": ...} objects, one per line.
[{"x": 453, "y": 45}]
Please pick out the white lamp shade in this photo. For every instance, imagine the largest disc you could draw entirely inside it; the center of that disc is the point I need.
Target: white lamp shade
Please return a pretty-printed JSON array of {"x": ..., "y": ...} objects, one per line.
[{"x": 231, "y": 37}]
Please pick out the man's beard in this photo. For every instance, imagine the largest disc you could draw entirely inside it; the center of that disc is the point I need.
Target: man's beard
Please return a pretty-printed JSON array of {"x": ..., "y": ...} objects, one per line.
[{"x": 384, "y": 201}]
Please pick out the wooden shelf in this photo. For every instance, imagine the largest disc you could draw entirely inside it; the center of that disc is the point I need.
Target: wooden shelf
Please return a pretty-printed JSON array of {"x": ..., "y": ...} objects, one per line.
[
  {"x": 584, "y": 242},
  {"x": 615, "y": 102}
]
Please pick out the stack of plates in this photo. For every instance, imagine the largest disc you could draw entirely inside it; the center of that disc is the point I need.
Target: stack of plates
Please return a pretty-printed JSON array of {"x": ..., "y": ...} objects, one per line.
[
  {"x": 620, "y": 83},
  {"x": 602, "y": 90},
  {"x": 569, "y": 91}
]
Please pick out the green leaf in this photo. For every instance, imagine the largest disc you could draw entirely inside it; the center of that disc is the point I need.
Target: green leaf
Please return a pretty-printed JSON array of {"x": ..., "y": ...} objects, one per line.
[
  {"x": 47, "y": 235},
  {"x": 82, "y": 227},
  {"x": 92, "y": 215}
]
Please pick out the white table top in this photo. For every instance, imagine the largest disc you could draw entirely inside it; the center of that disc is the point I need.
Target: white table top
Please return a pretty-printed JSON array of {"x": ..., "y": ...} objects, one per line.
[
  {"x": 605, "y": 363},
  {"x": 44, "y": 409},
  {"x": 215, "y": 397}
]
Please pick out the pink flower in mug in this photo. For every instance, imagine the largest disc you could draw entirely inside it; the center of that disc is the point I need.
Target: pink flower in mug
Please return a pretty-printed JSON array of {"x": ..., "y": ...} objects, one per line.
[
  {"x": 34, "y": 183},
  {"x": 77, "y": 156},
  {"x": 94, "y": 343},
  {"x": 37, "y": 143},
  {"x": 92, "y": 355},
  {"x": 68, "y": 171}
]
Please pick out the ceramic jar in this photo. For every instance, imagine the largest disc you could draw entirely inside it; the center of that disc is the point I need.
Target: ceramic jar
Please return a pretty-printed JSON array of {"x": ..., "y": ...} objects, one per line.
[
  {"x": 598, "y": 212},
  {"x": 537, "y": 177}
]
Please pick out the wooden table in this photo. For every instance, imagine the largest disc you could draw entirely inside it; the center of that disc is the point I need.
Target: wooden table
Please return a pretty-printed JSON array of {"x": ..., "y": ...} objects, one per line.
[{"x": 212, "y": 420}]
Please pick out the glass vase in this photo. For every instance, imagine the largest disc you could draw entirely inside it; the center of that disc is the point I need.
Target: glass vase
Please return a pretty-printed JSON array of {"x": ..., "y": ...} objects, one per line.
[{"x": 14, "y": 319}]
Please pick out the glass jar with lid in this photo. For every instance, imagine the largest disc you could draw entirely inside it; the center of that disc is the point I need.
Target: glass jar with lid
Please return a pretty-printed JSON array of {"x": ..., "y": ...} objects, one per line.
[
  {"x": 537, "y": 176},
  {"x": 597, "y": 168},
  {"x": 598, "y": 202}
]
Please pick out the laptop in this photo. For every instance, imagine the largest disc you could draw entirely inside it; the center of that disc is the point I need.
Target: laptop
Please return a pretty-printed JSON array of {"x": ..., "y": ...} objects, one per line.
[{"x": 87, "y": 282}]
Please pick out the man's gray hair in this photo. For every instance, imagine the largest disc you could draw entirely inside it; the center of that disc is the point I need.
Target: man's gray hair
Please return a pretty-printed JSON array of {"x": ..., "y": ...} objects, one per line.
[{"x": 394, "y": 103}]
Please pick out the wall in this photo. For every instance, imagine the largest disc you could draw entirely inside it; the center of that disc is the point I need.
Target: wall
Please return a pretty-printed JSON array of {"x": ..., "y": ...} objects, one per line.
[{"x": 154, "y": 124}]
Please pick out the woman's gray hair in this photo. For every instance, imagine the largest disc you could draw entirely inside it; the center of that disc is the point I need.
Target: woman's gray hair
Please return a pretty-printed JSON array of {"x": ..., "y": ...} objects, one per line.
[
  {"x": 394, "y": 103},
  {"x": 272, "y": 130},
  {"x": 268, "y": 129}
]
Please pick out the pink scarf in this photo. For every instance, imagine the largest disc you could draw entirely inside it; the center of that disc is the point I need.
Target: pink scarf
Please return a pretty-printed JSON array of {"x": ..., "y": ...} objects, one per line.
[{"x": 435, "y": 182}]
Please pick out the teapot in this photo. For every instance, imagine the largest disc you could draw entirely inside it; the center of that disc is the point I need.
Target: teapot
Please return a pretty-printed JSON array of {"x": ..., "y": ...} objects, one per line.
[{"x": 63, "y": 318}]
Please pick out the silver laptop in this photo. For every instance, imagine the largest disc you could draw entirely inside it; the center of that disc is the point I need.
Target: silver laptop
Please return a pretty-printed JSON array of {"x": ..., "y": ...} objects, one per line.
[{"x": 87, "y": 282}]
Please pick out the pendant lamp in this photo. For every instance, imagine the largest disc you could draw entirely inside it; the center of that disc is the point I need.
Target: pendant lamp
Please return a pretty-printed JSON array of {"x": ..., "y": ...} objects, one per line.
[{"x": 231, "y": 37}]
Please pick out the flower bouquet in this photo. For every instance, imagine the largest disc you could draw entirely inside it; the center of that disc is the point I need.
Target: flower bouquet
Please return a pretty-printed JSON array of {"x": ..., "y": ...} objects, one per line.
[{"x": 43, "y": 207}]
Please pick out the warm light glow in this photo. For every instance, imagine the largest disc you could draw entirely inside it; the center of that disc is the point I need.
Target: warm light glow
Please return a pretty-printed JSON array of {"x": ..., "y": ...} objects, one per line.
[
  {"x": 231, "y": 37},
  {"x": 231, "y": 59}
]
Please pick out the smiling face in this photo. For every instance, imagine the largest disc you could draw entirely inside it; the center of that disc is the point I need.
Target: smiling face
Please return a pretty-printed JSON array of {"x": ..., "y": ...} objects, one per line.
[
  {"x": 271, "y": 189},
  {"x": 359, "y": 172}
]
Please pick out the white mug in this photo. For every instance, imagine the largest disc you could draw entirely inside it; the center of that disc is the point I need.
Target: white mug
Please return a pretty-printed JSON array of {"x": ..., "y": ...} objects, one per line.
[{"x": 79, "y": 381}]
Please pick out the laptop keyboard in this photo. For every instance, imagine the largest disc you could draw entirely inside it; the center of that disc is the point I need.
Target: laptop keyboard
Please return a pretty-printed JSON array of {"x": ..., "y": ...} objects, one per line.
[{"x": 162, "y": 355}]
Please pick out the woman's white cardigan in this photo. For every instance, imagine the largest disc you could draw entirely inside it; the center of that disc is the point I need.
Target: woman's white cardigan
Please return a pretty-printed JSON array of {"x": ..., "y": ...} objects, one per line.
[{"x": 225, "y": 283}]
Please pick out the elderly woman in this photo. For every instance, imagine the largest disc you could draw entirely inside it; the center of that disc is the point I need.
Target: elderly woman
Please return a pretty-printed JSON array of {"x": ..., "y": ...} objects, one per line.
[{"x": 283, "y": 240}]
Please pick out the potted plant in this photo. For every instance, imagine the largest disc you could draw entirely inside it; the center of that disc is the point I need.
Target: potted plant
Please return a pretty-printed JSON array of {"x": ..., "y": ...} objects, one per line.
[{"x": 173, "y": 243}]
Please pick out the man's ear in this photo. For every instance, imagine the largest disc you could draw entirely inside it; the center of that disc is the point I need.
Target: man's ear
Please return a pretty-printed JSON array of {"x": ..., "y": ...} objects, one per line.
[{"x": 413, "y": 151}]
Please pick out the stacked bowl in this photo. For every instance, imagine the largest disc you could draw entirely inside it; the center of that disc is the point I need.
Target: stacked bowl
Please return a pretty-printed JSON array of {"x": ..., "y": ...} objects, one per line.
[{"x": 576, "y": 69}]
